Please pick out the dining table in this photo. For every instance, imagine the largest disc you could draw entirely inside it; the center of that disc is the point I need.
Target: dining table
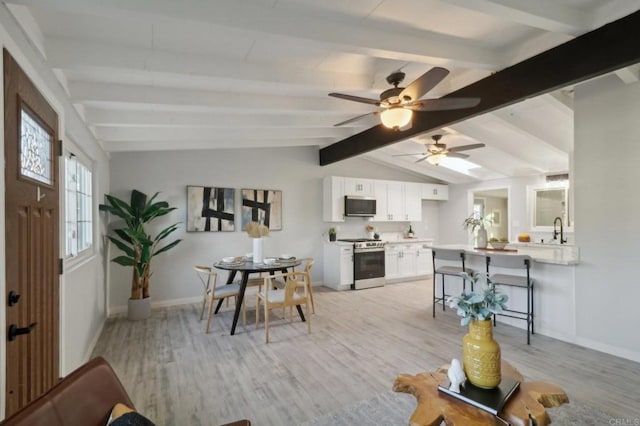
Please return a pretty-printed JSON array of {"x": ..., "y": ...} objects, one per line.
[{"x": 246, "y": 267}]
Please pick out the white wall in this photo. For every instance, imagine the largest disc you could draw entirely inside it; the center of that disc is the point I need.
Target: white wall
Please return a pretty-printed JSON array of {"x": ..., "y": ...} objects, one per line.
[
  {"x": 82, "y": 287},
  {"x": 458, "y": 208},
  {"x": 607, "y": 201},
  {"x": 295, "y": 171}
]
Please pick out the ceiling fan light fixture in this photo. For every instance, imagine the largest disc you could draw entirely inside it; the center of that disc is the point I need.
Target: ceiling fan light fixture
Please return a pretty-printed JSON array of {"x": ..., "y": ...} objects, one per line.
[
  {"x": 435, "y": 159},
  {"x": 396, "y": 117}
]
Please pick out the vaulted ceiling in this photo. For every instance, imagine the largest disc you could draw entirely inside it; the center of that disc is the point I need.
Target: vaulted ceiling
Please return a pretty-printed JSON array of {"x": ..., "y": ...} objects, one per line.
[{"x": 152, "y": 75}]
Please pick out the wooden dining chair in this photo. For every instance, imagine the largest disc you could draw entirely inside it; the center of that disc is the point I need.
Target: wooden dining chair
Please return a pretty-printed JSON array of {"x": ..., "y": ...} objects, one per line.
[
  {"x": 209, "y": 279},
  {"x": 294, "y": 293},
  {"x": 308, "y": 263}
]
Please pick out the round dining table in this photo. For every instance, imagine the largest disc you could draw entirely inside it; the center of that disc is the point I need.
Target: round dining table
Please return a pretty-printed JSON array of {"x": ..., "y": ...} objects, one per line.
[{"x": 247, "y": 267}]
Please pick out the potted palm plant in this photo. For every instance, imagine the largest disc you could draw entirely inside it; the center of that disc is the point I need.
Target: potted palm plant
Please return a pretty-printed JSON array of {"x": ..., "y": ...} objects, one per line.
[
  {"x": 138, "y": 246},
  {"x": 480, "y": 352}
]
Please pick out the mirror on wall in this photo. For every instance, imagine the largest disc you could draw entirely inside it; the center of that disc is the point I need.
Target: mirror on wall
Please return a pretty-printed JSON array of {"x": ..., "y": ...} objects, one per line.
[
  {"x": 546, "y": 203},
  {"x": 493, "y": 204}
]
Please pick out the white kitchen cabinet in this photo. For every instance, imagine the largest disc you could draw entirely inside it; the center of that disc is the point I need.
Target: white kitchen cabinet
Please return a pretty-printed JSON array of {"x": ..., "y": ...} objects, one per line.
[
  {"x": 433, "y": 191},
  {"x": 412, "y": 201},
  {"x": 391, "y": 256},
  {"x": 389, "y": 201},
  {"x": 346, "y": 266},
  {"x": 333, "y": 199},
  {"x": 360, "y": 187},
  {"x": 338, "y": 266},
  {"x": 407, "y": 261},
  {"x": 395, "y": 201},
  {"x": 380, "y": 193},
  {"x": 400, "y": 261},
  {"x": 424, "y": 260}
]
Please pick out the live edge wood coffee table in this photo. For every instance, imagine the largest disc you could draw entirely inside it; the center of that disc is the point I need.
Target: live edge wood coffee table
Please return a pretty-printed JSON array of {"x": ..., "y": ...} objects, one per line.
[{"x": 526, "y": 405}]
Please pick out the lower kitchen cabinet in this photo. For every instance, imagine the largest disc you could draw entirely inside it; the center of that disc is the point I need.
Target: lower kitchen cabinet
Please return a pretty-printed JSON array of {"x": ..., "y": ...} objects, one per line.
[
  {"x": 338, "y": 266},
  {"x": 424, "y": 260},
  {"x": 406, "y": 261},
  {"x": 391, "y": 254}
]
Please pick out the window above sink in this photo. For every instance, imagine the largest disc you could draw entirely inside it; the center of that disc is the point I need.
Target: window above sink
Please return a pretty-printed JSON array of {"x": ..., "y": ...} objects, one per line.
[{"x": 546, "y": 202}]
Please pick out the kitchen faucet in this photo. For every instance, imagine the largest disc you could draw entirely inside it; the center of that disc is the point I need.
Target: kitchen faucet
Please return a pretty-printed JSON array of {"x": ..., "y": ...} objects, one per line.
[{"x": 555, "y": 232}]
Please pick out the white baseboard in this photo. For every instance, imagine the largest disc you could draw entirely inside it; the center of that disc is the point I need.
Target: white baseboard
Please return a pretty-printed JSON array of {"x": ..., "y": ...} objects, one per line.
[
  {"x": 610, "y": 349},
  {"x": 94, "y": 341},
  {"x": 122, "y": 309}
]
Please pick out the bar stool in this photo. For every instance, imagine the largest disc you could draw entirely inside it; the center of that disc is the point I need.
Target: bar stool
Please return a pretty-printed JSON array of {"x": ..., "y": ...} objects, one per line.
[
  {"x": 526, "y": 282},
  {"x": 448, "y": 254}
]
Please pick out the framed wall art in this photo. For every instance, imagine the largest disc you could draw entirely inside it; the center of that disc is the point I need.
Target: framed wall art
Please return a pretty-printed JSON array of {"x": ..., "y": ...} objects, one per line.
[
  {"x": 210, "y": 209},
  {"x": 263, "y": 206}
]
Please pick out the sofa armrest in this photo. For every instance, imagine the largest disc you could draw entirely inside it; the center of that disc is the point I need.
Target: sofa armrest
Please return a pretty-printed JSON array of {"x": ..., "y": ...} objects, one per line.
[{"x": 85, "y": 396}]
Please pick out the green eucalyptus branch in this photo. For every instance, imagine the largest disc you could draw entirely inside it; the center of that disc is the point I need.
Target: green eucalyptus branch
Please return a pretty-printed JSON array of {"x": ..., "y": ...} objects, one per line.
[{"x": 474, "y": 306}]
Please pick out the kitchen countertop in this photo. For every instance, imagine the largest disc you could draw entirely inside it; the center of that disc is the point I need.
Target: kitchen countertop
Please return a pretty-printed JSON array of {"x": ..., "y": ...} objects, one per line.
[
  {"x": 552, "y": 254},
  {"x": 409, "y": 240}
]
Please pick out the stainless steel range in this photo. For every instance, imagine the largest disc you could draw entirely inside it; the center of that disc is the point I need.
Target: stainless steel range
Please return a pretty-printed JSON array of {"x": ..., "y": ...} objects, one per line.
[{"x": 368, "y": 263}]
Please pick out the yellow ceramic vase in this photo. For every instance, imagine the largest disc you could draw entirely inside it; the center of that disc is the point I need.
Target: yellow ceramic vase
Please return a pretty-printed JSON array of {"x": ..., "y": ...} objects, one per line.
[{"x": 481, "y": 355}]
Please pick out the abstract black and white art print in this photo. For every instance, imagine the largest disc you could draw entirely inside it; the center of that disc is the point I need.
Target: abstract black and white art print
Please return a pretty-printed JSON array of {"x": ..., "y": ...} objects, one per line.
[
  {"x": 210, "y": 209},
  {"x": 263, "y": 206}
]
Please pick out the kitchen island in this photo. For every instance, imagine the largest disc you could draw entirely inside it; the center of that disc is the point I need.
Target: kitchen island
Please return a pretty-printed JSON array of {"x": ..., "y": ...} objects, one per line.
[{"x": 553, "y": 271}]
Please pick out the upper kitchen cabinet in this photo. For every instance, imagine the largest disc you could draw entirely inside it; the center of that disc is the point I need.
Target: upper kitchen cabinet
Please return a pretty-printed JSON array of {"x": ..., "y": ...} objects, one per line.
[
  {"x": 397, "y": 201},
  {"x": 361, "y": 187},
  {"x": 412, "y": 201},
  {"x": 433, "y": 191},
  {"x": 389, "y": 201},
  {"x": 380, "y": 193},
  {"x": 333, "y": 199}
]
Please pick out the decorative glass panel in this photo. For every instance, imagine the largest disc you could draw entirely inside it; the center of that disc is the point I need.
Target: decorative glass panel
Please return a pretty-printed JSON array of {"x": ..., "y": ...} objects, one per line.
[{"x": 35, "y": 150}]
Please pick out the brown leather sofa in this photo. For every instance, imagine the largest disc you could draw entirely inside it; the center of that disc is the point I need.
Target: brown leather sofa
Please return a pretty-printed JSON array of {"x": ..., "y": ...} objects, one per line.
[{"x": 84, "y": 397}]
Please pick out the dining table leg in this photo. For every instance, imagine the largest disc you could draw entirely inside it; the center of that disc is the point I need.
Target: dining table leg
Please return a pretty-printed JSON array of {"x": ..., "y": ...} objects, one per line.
[
  {"x": 232, "y": 275},
  {"x": 243, "y": 286}
]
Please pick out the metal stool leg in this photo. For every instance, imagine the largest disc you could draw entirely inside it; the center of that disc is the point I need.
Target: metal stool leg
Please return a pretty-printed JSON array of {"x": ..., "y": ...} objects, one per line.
[
  {"x": 434, "y": 294},
  {"x": 532, "y": 312},
  {"x": 443, "y": 304}
]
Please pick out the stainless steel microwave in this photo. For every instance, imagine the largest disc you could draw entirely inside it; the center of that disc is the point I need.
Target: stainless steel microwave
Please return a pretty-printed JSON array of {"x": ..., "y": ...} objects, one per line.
[{"x": 359, "y": 206}]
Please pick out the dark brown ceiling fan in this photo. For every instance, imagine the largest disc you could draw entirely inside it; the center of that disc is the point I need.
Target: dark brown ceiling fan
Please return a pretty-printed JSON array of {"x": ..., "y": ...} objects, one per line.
[
  {"x": 436, "y": 151},
  {"x": 398, "y": 103}
]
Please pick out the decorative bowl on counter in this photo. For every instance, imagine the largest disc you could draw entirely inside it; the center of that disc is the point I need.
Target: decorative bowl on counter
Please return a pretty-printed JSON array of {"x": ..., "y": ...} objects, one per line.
[{"x": 498, "y": 245}]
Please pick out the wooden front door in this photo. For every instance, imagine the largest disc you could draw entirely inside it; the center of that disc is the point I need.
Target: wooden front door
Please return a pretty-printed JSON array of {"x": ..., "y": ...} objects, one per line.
[{"x": 32, "y": 242}]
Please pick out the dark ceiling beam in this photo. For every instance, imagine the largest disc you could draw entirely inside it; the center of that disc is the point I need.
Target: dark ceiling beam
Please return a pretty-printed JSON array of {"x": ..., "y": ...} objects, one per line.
[{"x": 598, "y": 52}]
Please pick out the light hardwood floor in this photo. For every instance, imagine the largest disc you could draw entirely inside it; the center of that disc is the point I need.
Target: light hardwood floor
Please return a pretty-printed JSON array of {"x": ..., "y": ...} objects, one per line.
[{"x": 359, "y": 342}]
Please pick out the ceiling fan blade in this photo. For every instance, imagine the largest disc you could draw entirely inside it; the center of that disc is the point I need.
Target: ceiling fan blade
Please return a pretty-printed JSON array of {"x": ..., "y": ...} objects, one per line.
[
  {"x": 405, "y": 155},
  {"x": 423, "y": 84},
  {"x": 356, "y": 118},
  {"x": 356, "y": 98},
  {"x": 466, "y": 147},
  {"x": 423, "y": 158},
  {"x": 457, "y": 155},
  {"x": 442, "y": 104}
]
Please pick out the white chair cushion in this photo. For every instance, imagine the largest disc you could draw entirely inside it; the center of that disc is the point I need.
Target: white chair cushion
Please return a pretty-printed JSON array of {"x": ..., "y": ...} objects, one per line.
[
  {"x": 277, "y": 296},
  {"x": 226, "y": 290}
]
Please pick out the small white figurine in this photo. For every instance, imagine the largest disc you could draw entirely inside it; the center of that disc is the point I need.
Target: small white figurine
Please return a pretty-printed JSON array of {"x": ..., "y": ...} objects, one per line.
[{"x": 456, "y": 375}]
